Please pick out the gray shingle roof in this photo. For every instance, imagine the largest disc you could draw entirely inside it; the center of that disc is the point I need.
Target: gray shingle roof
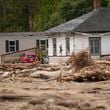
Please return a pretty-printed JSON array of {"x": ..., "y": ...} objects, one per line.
[{"x": 95, "y": 21}]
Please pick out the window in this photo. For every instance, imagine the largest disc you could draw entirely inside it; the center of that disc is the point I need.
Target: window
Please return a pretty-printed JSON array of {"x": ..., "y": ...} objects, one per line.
[
  {"x": 43, "y": 45},
  {"x": 67, "y": 46},
  {"x": 95, "y": 46},
  {"x": 54, "y": 47},
  {"x": 37, "y": 44},
  {"x": 12, "y": 46}
]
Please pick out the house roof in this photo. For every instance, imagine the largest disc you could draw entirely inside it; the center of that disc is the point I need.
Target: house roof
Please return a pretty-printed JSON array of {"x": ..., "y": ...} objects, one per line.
[
  {"x": 21, "y": 34},
  {"x": 94, "y": 21}
]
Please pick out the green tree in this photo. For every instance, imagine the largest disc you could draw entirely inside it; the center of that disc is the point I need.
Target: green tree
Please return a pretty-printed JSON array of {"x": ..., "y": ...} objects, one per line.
[{"x": 39, "y": 15}]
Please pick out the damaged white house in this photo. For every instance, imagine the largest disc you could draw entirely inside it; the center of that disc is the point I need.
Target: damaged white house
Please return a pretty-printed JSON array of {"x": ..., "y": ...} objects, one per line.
[{"x": 90, "y": 30}]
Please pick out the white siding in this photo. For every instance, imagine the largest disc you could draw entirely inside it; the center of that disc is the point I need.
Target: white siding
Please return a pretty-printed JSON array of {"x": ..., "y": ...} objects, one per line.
[
  {"x": 2, "y": 46},
  {"x": 61, "y": 41},
  {"x": 24, "y": 42},
  {"x": 77, "y": 43},
  {"x": 71, "y": 44},
  {"x": 27, "y": 43},
  {"x": 105, "y": 45},
  {"x": 81, "y": 42},
  {"x": 50, "y": 47},
  {"x": 58, "y": 60}
]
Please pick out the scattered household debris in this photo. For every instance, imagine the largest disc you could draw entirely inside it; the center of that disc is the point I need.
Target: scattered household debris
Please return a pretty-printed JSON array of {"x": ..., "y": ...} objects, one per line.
[
  {"x": 84, "y": 68},
  {"x": 33, "y": 70},
  {"x": 81, "y": 68}
]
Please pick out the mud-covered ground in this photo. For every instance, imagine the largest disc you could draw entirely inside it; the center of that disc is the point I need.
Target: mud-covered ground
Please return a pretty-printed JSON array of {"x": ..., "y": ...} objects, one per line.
[{"x": 36, "y": 94}]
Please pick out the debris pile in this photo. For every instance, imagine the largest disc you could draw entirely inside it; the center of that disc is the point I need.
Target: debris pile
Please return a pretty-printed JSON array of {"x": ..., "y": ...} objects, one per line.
[
  {"x": 81, "y": 60},
  {"x": 81, "y": 68},
  {"x": 34, "y": 70},
  {"x": 84, "y": 68},
  {"x": 20, "y": 66}
]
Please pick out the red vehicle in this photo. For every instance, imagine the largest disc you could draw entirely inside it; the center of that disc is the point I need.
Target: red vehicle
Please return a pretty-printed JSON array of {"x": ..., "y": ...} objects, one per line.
[{"x": 28, "y": 57}]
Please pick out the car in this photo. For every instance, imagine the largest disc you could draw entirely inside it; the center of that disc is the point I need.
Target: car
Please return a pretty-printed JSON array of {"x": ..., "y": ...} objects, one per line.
[{"x": 28, "y": 57}]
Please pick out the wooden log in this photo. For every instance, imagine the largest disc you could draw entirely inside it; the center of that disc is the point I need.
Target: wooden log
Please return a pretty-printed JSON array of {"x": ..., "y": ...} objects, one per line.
[{"x": 102, "y": 62}]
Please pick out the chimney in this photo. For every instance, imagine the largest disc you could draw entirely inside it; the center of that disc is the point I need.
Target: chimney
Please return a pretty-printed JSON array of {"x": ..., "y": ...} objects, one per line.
[{"x": 97, "y": 4}]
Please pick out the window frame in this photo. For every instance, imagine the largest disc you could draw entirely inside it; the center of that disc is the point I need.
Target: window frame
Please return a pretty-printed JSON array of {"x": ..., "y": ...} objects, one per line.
[
  {"x": 54, "y": 42},
  {"x": 67, "y": 44},
  {"x": 43, "y": 45},
  {"x": 95, "y": 46},
  {"x": 13, "y": 45},
  {"x": 39, "y": 44}
]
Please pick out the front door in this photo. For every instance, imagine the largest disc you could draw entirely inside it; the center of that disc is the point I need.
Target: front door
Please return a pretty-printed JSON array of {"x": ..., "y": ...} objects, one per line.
[{"x": 95, "y": 46}]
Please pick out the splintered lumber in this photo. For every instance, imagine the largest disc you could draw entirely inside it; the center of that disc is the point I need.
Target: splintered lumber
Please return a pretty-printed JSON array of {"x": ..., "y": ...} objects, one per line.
[
  {"x": 19, "y": 66},
  {"x": 86, "y": 74},
  {"x": 103, "y": 62},
  {"x": 84, "y": 68}
]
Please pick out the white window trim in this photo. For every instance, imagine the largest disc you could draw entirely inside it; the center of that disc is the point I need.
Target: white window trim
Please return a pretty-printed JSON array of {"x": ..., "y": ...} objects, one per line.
[{"x": 95, "y": 38}]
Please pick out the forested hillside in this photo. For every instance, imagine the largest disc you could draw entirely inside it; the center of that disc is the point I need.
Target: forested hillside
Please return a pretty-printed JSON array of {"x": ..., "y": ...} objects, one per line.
[{"x": 39, "y": 15}]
